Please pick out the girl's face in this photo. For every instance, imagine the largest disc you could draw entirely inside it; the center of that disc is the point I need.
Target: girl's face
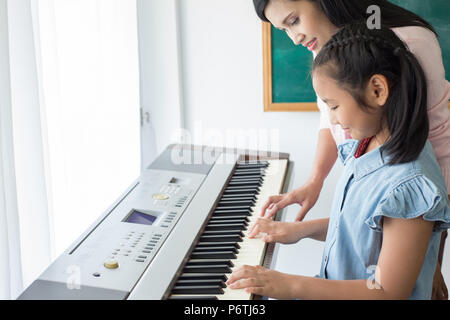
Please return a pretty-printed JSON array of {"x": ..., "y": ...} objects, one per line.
[
  {"x": 346, "y": 112},
  {"x": 303, "y": 20}
]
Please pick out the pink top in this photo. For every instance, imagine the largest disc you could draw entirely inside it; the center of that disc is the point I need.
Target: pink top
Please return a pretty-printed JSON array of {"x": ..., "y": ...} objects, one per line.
[{"x": 425, "y": 46}]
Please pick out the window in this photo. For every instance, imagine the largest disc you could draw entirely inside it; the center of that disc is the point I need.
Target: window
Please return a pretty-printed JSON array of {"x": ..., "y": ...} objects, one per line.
[{"x": 89, "y": 75}]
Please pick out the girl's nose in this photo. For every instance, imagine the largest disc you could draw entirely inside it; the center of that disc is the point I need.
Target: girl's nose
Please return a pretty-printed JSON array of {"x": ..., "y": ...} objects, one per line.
[{"x": 333, "y": 119}]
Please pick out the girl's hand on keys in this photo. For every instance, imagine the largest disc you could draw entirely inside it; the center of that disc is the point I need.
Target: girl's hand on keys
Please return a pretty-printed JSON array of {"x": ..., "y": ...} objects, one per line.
[
  {"x": 282, "y": 232},
  {"x": 262, "y": 281}
]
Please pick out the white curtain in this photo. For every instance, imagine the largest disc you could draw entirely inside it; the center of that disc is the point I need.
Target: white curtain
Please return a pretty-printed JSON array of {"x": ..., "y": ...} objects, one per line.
[
  {"x": 10, "y": 270},
  {"x": 90, "y": 97},
  {"x": 25, "y": 237},
  {"x": 69, "y": 125}
]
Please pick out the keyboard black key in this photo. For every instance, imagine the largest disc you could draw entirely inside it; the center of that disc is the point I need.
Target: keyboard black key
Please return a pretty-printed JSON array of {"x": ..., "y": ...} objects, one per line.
[
  {"x": 252, "y": 166},
  {"x": 203, "y": 282},
  {"x": 239, "y": 196},
  {"x": 222, "y": 268},
  {"x": 228, "y": 219},
  {"x": 233, "y": 192},
  {"x": 231, "y": 203},
  {"x": 238, "y": 189},
  {"x": 235, "y": 196},
  {"x": 197, "y": 290},
  {"x": 221, "y": 238},
  {"x": 230, "y": 212},
  {"x": 252, "y": 161},
  {"x": 217, "y": 248},
  {"x": 244, "y": 178},
  {"x": 224, "y": 226},
  {"x": 192, "y": 298},
  {"x": 210, "y": 262},
  {"x": 223, "y": 232},
  {"x": 258, "y": 171},
  {"x": 232, "y": 208},
  {"x": 247, "y": 175},
  {"x": 218, "y": 244},
  {"x": 203, "y": 276},
  {"x": 244, "y": 184},
  {"x": 213, "y": 255}
]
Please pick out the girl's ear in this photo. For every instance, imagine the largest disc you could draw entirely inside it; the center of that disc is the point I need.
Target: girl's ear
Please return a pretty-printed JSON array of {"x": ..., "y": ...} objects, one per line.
[{"x": 377, "y": 90}]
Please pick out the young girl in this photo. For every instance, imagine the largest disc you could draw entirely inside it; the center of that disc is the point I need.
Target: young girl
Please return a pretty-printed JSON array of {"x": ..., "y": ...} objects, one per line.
[
  {"x": 390, "y": 206},
  {"x": 311, "y": 23}
]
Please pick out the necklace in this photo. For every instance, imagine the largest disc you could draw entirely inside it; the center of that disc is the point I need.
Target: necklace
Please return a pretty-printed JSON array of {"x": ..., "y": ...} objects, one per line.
[{"x": 362, "y": 147}]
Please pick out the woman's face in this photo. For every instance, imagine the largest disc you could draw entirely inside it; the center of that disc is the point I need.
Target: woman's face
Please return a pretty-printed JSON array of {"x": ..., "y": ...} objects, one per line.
[{"x": 303, "y": 20}]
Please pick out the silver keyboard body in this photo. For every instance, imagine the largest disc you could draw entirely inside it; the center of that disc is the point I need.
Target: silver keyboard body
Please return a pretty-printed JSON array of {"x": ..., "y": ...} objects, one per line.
[{"x": 117, "y": 258}]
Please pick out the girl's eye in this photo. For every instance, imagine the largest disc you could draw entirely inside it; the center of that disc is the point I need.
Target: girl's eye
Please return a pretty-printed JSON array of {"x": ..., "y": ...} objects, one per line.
[
  {"x": 296, "y": 20},
  {"x": 334, "y": 108}
]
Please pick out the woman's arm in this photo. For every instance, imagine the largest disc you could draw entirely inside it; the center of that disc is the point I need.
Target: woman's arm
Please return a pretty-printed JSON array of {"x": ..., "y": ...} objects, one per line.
[
  {"x": 326, "y": 155},
  {"x": 307, "y": 194}
]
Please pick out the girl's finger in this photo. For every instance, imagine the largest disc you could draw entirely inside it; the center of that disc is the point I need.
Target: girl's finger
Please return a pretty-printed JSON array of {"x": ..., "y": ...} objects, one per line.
[
  {"x": 260, "y": 225},
  {"x": 254, "y": 231},
  {"x": 238, "y": 273},
  {"x": 244, "y": 283}
]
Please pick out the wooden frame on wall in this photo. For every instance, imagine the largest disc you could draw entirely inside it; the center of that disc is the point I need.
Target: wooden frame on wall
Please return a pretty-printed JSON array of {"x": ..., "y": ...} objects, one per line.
[{"x": 269, "y": 105}]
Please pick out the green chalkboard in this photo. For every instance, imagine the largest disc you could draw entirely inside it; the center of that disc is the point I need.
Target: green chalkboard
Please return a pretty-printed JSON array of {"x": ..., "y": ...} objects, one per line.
[
  {"x": 290, "y": 87},
  {"x": 290, "y": 71}
]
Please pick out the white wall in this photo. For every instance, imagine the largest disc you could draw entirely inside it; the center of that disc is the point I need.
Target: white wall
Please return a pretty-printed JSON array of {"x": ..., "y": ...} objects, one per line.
[{"x": 161, "y": 103}]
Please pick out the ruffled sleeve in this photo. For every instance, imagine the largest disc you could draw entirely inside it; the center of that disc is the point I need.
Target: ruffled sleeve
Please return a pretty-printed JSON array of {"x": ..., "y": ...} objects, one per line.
[{"x": 416, "y": 197}]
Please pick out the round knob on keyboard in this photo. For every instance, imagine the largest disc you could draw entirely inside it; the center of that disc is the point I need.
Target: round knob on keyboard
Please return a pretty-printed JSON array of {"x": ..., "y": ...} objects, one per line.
[
  {"x": 160, "y": 196},
  {"x": 111, "y": 264}
]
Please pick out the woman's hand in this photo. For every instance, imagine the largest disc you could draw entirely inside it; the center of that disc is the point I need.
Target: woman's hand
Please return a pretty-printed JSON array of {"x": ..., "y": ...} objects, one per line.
[
  {"x": 306, "y": 196},
  {"x": 262, "y": 281},
  {"x": 282, "y": 232}
]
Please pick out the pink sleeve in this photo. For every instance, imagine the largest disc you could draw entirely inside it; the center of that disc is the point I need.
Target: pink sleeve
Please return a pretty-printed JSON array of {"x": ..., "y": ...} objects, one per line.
[{"x": 425, "y": 46}]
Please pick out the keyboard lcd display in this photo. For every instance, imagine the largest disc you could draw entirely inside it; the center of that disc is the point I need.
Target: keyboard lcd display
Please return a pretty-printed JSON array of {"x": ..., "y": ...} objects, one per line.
[{"x": 140, "y": 218}]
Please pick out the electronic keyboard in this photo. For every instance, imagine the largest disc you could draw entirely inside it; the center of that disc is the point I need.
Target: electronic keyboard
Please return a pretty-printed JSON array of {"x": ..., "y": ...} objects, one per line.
[{"x": 177, "y": 232}]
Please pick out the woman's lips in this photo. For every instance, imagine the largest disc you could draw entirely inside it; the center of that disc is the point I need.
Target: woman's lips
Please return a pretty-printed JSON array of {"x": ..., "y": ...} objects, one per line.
[{"x": 311, "y": 45}]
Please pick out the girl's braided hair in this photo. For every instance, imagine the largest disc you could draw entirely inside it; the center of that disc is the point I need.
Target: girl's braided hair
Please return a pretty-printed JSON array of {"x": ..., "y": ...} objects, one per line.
[{"x": 353, "y": 55}]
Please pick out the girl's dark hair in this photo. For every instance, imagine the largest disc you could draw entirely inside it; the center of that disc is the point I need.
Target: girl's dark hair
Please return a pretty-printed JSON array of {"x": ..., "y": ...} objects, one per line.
[
  {"x": 353, "y": 55},
  {"x": 342, "y": 12}
]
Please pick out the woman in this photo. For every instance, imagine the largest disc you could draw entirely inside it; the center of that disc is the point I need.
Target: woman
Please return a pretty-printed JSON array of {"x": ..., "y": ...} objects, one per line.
[{"x": 312, "y": 23}]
